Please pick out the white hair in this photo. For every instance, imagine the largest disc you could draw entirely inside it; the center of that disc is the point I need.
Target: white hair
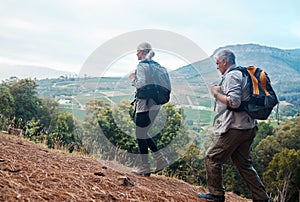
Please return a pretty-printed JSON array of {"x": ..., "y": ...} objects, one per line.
[
  {"x": 226, "y": 54},
  {"x": 147, "y": 50}
]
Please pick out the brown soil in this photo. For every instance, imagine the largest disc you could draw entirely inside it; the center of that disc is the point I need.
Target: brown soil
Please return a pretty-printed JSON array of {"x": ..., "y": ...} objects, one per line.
[{"x": 30, "y": 172}]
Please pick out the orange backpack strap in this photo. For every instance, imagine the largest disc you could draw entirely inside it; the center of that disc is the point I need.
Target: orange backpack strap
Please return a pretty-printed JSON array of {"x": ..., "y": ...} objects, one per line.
[
  {"x": 251, "y": 70},
  {"x": 262, "y": 78}
]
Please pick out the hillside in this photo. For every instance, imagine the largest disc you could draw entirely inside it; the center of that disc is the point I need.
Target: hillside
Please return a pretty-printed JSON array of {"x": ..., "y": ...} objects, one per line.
[
  {"x": 29, "y": 172},
  {"x": 283, "y": 67},
  {"x": 26, "y": 71},
  {"x": 276, "y": 62}
]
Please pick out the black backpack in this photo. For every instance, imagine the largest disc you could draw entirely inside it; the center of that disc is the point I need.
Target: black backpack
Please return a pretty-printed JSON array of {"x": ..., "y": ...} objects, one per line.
[
  {"x": 158, "y": 85},
  {"x": 262, "y": 96}
]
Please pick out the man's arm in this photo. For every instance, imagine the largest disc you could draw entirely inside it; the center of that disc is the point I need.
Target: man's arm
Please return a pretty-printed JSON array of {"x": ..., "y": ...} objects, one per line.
[{"x": 231, "y": 92}]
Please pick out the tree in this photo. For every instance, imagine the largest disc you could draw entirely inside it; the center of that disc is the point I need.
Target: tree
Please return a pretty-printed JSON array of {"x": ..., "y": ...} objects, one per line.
[
  {"x": 6, "y": 106},
  {"x": 282, "y": 176},
  {"x": 34, "y": 131},
  {"x": 118, "y": 127},
  {"x": 63, "y": 135},
  {"x": 264, "y": 129},
  {"x": 289, "y": 135},
  {"x": 268, "y": 154},
  {"x": 91, "y": 131},
  {"x": 286, "y": 136},
  {"x": 6, "y": 101},
  {"x": 264, "y": 152},
  {"x": 116, "y": 135},
  {"x": 48, "y": 112},
  {"x": 189, "y": 167},
  {"x": 174, "y": 138},
  {"x": 27, "y": 104}
]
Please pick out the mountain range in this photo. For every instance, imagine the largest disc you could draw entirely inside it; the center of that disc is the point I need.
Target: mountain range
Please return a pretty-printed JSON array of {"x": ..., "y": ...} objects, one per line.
[
  {"x": 34, "y": 72},
  {"x": 282, "y": 66},
  {"x": 273, "y": 60}
]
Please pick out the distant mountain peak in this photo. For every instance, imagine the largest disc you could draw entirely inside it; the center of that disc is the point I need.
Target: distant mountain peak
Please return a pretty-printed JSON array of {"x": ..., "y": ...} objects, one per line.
[
  {"x": 28, "y": 71},
  {"x": 251, "y": 47}
]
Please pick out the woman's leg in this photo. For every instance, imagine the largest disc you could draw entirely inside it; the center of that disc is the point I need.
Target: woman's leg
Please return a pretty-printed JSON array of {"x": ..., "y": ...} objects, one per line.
[{"x": 143, "y": 124}]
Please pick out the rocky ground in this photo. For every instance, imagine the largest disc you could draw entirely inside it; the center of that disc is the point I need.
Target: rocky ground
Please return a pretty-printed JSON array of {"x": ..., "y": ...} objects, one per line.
[{"x": 30, "y": 172}]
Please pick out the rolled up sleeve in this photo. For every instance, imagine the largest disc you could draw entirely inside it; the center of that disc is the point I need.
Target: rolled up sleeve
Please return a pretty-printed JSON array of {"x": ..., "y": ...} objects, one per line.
[{"x": 232, "y": 87}]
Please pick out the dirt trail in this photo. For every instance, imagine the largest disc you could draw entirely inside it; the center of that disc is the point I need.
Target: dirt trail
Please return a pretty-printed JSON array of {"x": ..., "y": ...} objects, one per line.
[{"x": 29, "y": 172}]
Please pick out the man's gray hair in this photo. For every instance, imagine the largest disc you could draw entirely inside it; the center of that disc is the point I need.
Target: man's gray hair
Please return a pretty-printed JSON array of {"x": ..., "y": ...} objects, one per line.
[{"x": 226, "y": 54}]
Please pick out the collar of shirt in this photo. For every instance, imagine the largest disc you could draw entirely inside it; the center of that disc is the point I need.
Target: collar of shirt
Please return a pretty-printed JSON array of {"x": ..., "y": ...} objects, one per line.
[{"x": 231, "y": 67}]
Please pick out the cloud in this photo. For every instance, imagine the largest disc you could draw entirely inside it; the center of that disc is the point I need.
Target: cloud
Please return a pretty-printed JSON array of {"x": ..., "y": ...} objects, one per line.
[
  {"x": 128, "y": 63},
  {"x": 64, "y": 33},
  {"x": 296, "y": 31}
]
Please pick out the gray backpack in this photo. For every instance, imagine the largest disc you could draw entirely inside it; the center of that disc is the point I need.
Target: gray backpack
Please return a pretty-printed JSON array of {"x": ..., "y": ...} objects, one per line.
[{"x": 158, "y": 85}]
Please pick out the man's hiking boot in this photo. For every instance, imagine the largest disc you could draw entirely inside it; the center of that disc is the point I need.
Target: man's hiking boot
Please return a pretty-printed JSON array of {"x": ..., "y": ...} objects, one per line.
[
  {"x": 161, "y": 161},
  {"x": 144, "y": 170},
  {"x": 211, "y": 197}
]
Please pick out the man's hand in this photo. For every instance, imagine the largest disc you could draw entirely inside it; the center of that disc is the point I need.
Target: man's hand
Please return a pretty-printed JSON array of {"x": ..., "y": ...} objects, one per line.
[{"x": 215, "y": 89}]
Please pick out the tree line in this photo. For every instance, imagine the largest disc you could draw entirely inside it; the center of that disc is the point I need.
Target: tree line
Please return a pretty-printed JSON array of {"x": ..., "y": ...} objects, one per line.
[
  {"x": 108, "y": 133},
  {"x": 38, "y": 118}
]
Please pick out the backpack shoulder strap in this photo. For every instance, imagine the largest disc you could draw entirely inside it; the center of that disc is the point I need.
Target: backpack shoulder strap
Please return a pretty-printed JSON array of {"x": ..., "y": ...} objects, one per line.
[
  {"x": 258, "y": 76},
  {"x": 151, "y": 62},
  {"x": 254, "y": 73},
  {"x": 149, "y": 71},
  {"x": 243, "y": 105},
  {"x": 241, "y": 69}
]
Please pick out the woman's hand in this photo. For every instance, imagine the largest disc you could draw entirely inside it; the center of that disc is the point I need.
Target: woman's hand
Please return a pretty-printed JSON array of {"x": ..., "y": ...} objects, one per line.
[{"x": 132, "y": 76}]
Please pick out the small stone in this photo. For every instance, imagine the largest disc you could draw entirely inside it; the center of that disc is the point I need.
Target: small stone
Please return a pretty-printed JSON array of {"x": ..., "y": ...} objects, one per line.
[
  {"x": 111, "y": 197},
  {"x": 125, "y": 181},
  {"x": 99, "y": 174}
]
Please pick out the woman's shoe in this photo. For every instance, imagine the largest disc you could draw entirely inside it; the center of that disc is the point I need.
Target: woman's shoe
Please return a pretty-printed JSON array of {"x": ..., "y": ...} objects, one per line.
[
  {"x": 161, "y": 161},
  {"x": 144, "y": 170}
]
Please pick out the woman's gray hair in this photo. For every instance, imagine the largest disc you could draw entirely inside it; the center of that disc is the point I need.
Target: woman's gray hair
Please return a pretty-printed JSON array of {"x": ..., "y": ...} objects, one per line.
[
  {"x": 147, "y": 50},
  {"x": 226, "y": 54}
]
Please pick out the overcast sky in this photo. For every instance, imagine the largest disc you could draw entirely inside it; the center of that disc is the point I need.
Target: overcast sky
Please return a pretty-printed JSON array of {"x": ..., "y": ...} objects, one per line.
[{"x": 61, "y": 34}]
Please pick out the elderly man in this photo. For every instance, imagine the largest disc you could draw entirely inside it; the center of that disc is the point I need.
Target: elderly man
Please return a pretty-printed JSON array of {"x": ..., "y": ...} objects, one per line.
[{"x": 234, "y": 133}]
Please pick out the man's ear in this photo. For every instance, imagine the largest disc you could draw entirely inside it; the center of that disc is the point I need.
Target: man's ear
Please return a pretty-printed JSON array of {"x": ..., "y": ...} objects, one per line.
[{"x": 224, "y": 62}]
